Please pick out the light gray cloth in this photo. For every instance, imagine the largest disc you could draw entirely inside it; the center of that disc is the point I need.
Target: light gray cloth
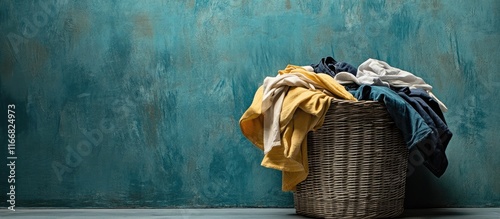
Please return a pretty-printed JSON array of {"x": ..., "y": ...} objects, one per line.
[{"x": 379, "y": 73}]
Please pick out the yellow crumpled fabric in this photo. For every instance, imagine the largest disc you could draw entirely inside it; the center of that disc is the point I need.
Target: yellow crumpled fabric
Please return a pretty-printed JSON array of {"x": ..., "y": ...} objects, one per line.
[{"x": 303, "y": 110}]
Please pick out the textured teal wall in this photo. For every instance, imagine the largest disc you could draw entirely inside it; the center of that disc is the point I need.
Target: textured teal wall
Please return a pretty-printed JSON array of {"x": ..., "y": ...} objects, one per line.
[{"x": 136, "y": 103}]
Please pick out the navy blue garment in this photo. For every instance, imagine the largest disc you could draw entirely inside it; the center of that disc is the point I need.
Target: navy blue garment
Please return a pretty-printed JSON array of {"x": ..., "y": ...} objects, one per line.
[
  {"x": 331, "y": 67},
  {"x": 423, "y": 95},
  {"x": 435, "y": 145},
  {"x": 411, "y": 124},
  {"x": 420, "y": 137}
]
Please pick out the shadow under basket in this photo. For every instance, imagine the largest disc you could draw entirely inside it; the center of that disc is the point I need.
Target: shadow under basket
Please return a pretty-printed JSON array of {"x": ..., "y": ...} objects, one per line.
[{"x": 357, "y": 164}]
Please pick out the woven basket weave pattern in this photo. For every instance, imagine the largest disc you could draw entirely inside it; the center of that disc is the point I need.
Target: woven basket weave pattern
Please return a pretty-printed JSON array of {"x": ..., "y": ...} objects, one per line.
[{"x": 357, "y": 164}]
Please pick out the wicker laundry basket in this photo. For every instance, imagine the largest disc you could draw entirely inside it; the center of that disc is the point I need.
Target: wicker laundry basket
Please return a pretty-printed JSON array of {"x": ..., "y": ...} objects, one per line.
[{"x": 357, "y": 165}]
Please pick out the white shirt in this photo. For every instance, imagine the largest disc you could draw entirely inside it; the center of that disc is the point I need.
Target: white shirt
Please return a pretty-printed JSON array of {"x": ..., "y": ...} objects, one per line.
[{"x": 376, "y": 72}]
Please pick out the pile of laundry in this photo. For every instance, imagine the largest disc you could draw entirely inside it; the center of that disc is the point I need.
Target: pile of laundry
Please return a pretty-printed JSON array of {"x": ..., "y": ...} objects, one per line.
[{"x": 293, "y": 103}]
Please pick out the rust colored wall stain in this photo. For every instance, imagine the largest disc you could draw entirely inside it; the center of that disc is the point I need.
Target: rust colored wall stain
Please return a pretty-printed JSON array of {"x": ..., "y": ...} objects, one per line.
[{"x": 143, "y": 25}]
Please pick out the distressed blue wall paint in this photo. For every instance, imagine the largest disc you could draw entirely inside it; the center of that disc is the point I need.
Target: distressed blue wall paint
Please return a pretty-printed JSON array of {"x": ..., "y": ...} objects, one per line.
[{"x": 156, "y": 88}]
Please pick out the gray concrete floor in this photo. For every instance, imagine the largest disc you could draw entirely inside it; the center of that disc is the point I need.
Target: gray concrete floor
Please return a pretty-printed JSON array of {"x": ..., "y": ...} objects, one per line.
[{"x": 237, "y": 213}]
